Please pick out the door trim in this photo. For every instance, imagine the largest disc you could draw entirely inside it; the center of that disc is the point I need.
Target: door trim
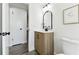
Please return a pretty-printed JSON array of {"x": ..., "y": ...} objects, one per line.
[
  {"x": 1, "y": 28},
  {"x": 28, "y": 27}
]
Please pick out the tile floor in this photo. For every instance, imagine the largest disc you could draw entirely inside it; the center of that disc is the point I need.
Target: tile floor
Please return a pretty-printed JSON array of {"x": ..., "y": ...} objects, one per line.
[{"x": 20, "y": 49}]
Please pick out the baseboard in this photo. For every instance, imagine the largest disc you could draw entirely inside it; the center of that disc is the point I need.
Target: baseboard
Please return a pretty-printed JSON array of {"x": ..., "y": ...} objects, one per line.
[{"x": 18, "y": 44}]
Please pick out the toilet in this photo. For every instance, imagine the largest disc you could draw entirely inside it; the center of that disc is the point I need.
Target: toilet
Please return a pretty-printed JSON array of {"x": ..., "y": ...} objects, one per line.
[{"x": 70, "y": 47}]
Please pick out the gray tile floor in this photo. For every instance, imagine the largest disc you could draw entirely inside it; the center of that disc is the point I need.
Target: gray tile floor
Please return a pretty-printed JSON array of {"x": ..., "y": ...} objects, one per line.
[{"x": 20, "y": 49}]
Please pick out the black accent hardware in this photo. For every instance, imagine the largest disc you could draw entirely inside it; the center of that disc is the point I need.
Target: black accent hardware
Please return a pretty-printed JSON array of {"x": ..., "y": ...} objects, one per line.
[
  {"x": 0, "y": 33},
  {"x": 5, "y": 33},
  {"x": 8, "y": 33}
]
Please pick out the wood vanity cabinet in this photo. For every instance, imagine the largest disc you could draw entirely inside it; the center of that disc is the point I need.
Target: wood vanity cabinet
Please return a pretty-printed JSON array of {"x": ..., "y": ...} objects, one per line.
[{"x": 44, "y": 43}]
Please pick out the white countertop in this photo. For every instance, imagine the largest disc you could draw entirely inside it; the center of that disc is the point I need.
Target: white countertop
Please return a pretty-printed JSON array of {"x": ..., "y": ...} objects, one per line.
[{"x": 43, "y": 31}]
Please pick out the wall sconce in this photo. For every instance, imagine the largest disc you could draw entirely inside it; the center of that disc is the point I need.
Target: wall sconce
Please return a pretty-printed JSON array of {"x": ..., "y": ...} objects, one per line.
[{"x": 46, "y": 5}]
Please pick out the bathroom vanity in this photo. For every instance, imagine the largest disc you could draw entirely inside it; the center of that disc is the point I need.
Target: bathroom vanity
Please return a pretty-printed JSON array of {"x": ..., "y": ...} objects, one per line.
[{"x": 44, "y": 42}]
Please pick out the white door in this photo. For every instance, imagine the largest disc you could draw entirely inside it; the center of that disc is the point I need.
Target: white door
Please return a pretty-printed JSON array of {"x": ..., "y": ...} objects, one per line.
[
  {"x": 18, "y": 26},
  {"x": 5, "y": 28}
]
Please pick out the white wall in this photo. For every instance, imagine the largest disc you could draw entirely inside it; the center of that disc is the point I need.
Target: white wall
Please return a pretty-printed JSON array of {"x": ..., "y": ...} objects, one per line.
[
  {"x": 61, "y": 30},
  {"x": 35, "y": 22}
]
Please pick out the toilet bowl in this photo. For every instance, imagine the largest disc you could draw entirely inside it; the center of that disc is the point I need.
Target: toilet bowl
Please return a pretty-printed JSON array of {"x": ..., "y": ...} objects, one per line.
[{"x": 70, "y": 47}]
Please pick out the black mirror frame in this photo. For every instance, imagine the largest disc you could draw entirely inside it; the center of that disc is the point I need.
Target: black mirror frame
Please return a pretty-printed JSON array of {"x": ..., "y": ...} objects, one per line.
[{"x": 51, "y": 18}]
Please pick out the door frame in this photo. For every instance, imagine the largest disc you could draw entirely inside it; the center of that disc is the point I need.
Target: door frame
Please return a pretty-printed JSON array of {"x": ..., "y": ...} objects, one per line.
[
  {"x": 27, "y": 23},
  {"x": 5, "y": 28},
  {"x": 28, "y": 28},
  {"x": 1, "y": 29}
]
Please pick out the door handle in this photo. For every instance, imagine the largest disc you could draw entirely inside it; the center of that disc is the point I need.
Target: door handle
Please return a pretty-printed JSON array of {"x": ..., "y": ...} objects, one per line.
[
  {"x": 8, "y": 33},
  {"x": 5, "y": 33},
  {"x": 0, "y": 33}
]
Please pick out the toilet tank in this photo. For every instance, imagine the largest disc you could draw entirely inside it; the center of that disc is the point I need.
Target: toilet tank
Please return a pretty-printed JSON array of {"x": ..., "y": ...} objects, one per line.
[{"x": 70, "y": 47}]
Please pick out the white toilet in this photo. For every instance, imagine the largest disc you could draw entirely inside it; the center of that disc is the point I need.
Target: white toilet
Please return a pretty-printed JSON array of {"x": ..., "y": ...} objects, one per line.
[{"x": 70, "y": 47}]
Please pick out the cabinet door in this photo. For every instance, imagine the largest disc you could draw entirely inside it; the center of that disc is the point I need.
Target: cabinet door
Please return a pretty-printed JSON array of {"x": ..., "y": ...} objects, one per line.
[
  {"x": 41, "y": 44},
  {"x": 49, "y": 43},
  {"x": 44, "y": 43}
]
